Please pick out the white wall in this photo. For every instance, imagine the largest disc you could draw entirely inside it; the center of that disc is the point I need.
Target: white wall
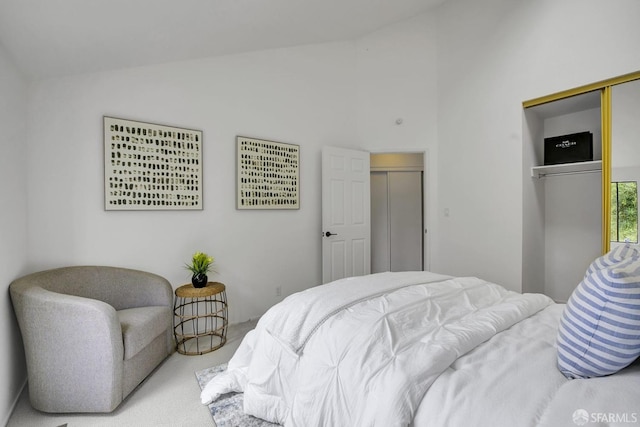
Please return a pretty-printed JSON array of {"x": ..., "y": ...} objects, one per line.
[
  {"x": 396, "y": 79},
  {"x": 573, "y": 230},
  {"x": 573, "y": 214},
  {"x": 303, "y": 96},
  {"x": 493, "y": 55},
  {"x": 533, "y": 198},
  {"x": 311, "y": 96},
  {"x": 13, "y": 225}
]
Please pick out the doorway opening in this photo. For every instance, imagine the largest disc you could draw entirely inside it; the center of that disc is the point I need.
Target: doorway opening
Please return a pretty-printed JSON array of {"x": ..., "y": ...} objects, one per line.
[{"x": 397, "y": 212}]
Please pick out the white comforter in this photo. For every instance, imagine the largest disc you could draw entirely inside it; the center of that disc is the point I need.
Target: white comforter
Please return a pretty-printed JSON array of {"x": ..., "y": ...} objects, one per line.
[
  {"x": 363, "y": 351},
  {"x": 512, "y": 380}
]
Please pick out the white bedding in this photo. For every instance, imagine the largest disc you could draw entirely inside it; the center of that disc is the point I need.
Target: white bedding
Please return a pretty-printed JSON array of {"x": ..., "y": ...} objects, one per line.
[
  {"x": 512, "y": 380},
  {"x": 367, "y": 356}
]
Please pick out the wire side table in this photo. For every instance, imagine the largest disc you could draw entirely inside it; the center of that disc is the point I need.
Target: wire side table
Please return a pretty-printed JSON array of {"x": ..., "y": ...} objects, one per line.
[{"x": 200, "y": 318}]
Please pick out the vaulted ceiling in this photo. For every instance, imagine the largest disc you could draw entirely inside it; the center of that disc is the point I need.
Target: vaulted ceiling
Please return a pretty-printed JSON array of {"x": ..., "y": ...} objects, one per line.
[{"x": 53, "y": 38}]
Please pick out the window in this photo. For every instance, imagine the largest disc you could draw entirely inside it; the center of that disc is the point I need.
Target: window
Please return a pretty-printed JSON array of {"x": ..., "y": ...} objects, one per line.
[{"x": 624, "y": 212}]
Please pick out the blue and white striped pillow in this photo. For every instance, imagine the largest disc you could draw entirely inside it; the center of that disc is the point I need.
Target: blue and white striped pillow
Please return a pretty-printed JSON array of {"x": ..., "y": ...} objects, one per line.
[
  {"x": 613, "y": 257},
  {"x": 599, "y": 331}
]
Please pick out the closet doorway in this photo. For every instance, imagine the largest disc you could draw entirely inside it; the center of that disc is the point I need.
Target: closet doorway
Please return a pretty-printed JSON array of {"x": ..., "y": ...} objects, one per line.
[{"x": 397, "y": 212}]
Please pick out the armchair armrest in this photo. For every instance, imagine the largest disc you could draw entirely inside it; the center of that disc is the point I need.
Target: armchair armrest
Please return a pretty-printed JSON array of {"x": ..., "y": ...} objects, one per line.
[{"x": 74, "y": 348}]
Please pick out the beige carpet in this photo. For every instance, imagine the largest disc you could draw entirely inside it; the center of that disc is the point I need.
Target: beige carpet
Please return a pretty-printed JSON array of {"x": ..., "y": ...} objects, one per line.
[{"x": 170, "y": 396}]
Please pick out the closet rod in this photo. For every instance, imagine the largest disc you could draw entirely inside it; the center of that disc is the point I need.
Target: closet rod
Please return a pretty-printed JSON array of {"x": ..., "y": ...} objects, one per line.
[{"x": 543, "y": 175}]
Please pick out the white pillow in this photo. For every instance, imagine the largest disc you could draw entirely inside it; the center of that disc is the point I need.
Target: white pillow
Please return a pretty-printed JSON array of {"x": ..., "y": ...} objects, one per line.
[{"x": 599, "y": 332}]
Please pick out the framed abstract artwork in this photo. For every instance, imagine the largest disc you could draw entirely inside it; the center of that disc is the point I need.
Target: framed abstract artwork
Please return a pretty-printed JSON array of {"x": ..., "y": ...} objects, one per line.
[
  {"x": 151, "y": 167},
  {"x": 268, "y": 174}
]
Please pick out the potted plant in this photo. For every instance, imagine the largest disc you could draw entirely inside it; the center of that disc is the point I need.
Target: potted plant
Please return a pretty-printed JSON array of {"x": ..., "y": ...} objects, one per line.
[{"x": 199, "y": 267}]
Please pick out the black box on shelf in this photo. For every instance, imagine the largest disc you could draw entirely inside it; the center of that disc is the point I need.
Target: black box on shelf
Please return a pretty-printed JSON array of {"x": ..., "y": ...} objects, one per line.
[{"x": 572, "y": 148}]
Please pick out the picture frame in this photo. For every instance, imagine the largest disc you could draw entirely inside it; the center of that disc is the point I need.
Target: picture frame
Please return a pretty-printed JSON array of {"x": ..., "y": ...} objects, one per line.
[
  {"x": 268, "y": 174},
  {"x": 148, "y": 166}
]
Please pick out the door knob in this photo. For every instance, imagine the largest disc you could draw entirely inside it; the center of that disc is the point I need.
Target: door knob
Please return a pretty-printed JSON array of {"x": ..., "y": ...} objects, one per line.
[{"x": 328, "y": 233}]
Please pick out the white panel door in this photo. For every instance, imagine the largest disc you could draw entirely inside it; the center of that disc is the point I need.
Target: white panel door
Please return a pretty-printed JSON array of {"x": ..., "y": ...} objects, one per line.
[{"x": 346, "y": 223}]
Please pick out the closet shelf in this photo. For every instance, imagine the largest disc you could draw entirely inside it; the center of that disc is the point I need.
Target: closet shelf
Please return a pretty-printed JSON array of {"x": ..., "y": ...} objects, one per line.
[{"x": 566, "y": 168}]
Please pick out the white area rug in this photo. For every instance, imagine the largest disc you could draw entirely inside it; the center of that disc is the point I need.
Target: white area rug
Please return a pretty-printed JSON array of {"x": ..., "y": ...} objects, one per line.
[{"x": 227, "y": 410}]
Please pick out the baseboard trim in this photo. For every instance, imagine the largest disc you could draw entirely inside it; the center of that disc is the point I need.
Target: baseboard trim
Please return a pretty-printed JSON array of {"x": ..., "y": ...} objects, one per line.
[{"x": 15, "y": 402}]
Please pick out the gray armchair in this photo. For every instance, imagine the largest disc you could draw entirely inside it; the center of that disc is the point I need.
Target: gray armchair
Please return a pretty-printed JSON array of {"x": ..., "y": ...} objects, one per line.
[{"x": 91, "y": 334}]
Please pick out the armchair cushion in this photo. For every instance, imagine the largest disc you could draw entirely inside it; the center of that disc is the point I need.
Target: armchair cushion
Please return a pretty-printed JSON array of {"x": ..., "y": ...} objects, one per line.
[{"x": 140, "y": 326}]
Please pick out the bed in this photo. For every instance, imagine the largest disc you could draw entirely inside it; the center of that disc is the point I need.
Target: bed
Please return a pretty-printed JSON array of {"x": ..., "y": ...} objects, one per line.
[{"x": 423, "y": 349}]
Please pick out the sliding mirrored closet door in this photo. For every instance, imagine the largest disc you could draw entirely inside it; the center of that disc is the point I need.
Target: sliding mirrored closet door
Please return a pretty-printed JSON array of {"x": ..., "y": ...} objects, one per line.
[{"x": 625, "y": 162}]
